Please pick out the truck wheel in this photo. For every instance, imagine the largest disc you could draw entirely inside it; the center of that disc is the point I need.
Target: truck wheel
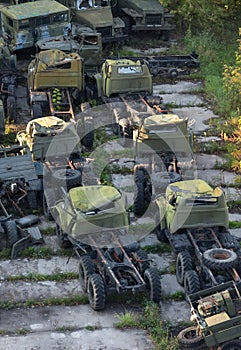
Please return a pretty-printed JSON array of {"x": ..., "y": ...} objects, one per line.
[
  {"x": 139, "y": 198},
  {"x": 11, "y": 231},
  {"x": 68, "y": 177},
  {"x": 231, "y": 345},
  {"x": 49, "y": 198},
  {"x": 191, "y": 282},
  {"x": 172, "y": 73},
  {"x": 161, "y": 236},
  {"x": 141, "y": 260},
  {"x": 86, "y": 268},
  {"x": 189, "y": 339},
  {"x": 183, "y": 264},
  {"x": 96, "y": 292},
  {"x": 62, "y": 238},
  {"x": 153, "y": 284},
  {"x": 88, "y": 139},
  {"x": 228, "y": 241},
  {"x": 32, "y": 200},
  {"x": 139, "y": 173},
  {"x": 11, "y": 108},
  {"x": 220, "y": 259},
  {"x": 37, "y": 111}
]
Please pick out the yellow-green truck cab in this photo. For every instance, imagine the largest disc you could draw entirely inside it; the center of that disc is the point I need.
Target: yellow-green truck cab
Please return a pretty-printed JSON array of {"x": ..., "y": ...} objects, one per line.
[{"x": 123, "y": 76}]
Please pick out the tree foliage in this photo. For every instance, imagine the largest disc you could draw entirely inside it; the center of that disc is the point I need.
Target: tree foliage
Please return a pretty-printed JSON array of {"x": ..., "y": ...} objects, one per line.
[
  {"x": 232, "y": 83},
  {"x": 205, "y": 15},
  {"x": 232, "y": 80}
]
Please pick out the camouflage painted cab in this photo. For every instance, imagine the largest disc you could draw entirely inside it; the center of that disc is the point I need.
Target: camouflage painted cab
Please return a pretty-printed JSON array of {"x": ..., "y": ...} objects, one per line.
[
  {"x": 191, "y": 204},
  {"x": 97, "y": 15},
  {"x": 142, "y": 15},
  {"x": 91, "y": 210},
  {"x": 26, "y": 23}
]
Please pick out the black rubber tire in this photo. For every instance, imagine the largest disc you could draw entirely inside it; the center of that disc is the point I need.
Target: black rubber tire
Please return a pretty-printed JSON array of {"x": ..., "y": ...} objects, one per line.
[
  {"x": 141, "y": 261},
  {"x": 32, "y": 200},
  {"x": 11, "y": 108},
  {"x": 115, "y": 128},
  {"x": 139, "y": 173},
  {"x": 49, "y": 198},
  {"x": 228, "y": 241},
  {"x": 183, "y": 264},
  {"x": 62, "y": 238},
  {"x": 231, "y": 345},
  {"x": 86, "y": 268},
  {"x": 37, "y": 111},
  {"x": 172, "y": 73},
  {"x": 161, "y": 236},
  {"x": 139, "y": 199},
  {"x": 191, "y": 282},
  {"x": 189, "y": 339},
  {"x": 11, "y": 232},
  {"x": 68, "y": 178},
  {"x": 220, "y": 259},
  {"x": 96, "y": 292},
  {"x": 153, "y": 284},
  {"x": 88, "y": 139}
]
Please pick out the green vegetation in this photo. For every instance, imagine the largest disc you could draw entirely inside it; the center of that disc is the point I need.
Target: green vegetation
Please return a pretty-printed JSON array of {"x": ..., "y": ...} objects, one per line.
[
  {"x": 37, "y": 253},
  {"x": 127, "y": 319},
  {"x": 234, "y": 205},
  {"x": 150, "y": 320},
  {"x": 59, "y": 277},
  {"x": 234, "y": 224},
  {"x": 29, "y": 303},
  {"x": 49, "y": 231},
  {"x": 222, "y": 79},
  {"x": 158, "y": 248},
  {"x": 212, "y": 29}
]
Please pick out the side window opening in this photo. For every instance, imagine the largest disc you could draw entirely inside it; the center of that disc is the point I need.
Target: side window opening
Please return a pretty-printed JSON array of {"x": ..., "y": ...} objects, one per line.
[
  {"x": 60, "y": 17},
  {"x": 24, "y": 23},
  {"x": 42, "y": 20},
  {"x": 10, "y": 22}
]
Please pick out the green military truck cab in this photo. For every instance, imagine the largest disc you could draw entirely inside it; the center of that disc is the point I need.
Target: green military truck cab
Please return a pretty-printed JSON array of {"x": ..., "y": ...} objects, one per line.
[
  {"x": 197, "y": 202},
  {"x": 97, "y": 15},
  {"x": 193, "y": 218},
  {"x": 26, "y": 23},
  {"x": 142, "y": 15},
  {"x": 55, "y": 84},
  {"x": 123, "y": 76}
]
